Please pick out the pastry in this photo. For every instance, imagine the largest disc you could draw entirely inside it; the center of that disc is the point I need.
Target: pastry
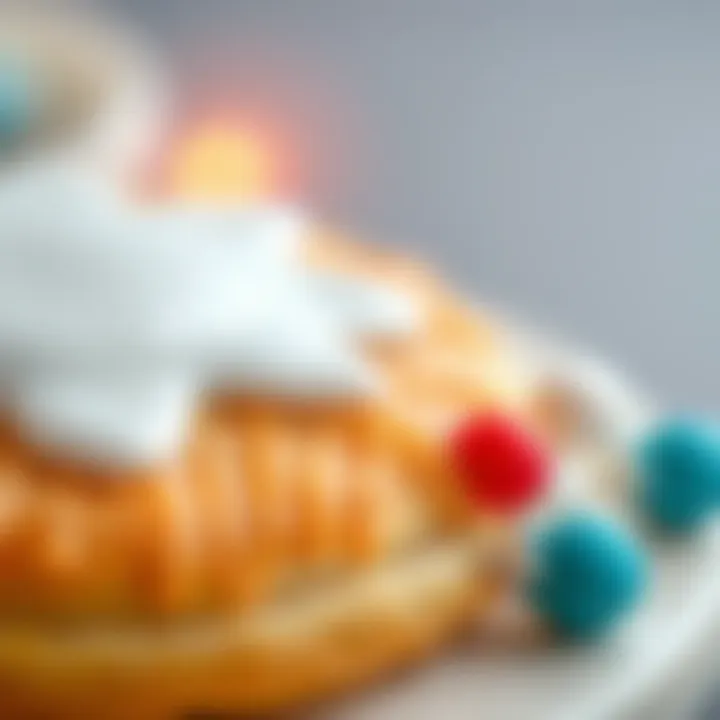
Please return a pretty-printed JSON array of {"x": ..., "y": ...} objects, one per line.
[
  {"x": 225, "y": 475},
  {"x": 247, "y": 463}
]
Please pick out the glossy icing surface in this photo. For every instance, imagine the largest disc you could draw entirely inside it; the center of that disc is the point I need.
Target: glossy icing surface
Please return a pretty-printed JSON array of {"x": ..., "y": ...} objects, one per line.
[{"x": 115, "y": 317}]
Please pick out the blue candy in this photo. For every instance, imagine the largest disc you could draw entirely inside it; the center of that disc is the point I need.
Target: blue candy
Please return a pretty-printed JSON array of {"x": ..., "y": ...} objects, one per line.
[
  {"x": 588, "y": 573},
  {"x": 678, "y": 474},
  {"x": 18, "y": 101}
]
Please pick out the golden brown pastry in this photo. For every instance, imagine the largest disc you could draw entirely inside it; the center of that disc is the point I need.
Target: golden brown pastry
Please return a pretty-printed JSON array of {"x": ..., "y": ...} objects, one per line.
[{"x": 293, "y": 548}]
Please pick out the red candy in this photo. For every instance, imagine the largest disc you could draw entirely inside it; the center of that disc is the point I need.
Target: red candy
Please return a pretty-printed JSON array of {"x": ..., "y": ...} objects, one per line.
[{"x": 501, "y": 466}]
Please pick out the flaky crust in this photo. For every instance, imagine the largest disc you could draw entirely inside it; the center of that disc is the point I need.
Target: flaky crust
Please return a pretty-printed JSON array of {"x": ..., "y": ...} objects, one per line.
[
  {"x": 291, "y": 552},
  {"x": 266, "y": 491}
]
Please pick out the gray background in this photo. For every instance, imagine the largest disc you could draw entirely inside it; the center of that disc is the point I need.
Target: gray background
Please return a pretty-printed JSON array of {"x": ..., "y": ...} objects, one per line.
[{"x": 562, "y": 158}]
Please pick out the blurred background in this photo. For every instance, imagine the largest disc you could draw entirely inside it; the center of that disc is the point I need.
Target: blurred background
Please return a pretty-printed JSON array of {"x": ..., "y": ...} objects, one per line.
[{"x": 561, "y": 158}]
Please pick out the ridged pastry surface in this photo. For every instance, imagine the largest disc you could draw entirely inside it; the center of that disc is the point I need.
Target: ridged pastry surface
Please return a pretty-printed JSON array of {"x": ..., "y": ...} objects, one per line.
[{"x": 268, "y": 494}]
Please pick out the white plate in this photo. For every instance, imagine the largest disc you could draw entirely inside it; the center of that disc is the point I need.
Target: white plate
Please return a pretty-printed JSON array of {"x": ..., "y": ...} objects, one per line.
[
  {"x": 654, "y": 667},
  {"x": 641, "y": 673}
]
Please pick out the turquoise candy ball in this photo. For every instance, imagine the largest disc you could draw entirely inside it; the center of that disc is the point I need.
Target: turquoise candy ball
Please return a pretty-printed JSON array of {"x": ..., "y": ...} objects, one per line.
[
  {"x": 678, "y": 474},
  {"x": 587, "y": 574},
  {"x": 19, "y": 100}
]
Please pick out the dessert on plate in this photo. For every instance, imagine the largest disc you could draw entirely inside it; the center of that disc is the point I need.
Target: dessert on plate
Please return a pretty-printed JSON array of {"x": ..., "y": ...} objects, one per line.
[{"x": 247, "y": 463}]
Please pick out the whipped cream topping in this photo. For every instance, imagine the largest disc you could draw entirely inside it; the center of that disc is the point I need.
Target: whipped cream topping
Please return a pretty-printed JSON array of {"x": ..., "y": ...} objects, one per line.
[{"x": 115, "y": 317}]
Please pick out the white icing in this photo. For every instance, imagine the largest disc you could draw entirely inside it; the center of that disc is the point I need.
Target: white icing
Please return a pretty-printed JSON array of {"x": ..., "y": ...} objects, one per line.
[
  {"x": 368, "y": 307},
  {"x": 115, "y": 418},
  {"x": 114, "y": 317}
]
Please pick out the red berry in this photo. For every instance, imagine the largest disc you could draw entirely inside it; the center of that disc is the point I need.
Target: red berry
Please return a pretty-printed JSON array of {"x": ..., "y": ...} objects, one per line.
[{"x": 502, "y": 467}]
